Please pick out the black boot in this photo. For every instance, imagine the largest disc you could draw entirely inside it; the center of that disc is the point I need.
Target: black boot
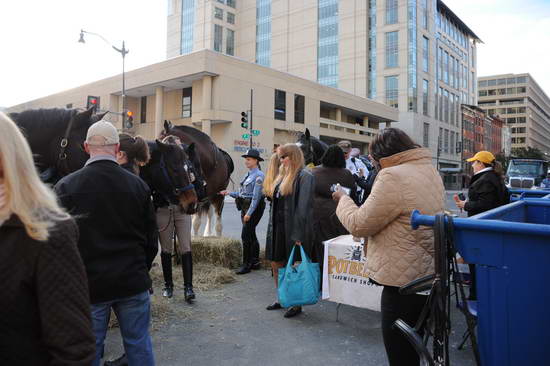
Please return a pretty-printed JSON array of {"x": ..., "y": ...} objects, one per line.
[
  {"x": 187, "y": 268},
  {"x": 166, "y": 261},
  {"x": 245, "y": 268},
  {"x": 255, "y": 260},
  {"x": 121, "y": 361}
]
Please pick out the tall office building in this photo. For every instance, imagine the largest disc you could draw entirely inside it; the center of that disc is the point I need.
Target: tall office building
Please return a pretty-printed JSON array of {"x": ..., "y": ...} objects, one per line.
[
  {"x": 521, "y": 102},
  {"x": 414, "y": 55}
]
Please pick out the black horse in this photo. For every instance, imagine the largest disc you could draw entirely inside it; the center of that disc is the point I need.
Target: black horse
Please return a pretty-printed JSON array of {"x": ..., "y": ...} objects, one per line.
[
  {"x": 214, "y": 166},
  {"x": 56, "y": 138},
  {"x": 312, "y": 147}
]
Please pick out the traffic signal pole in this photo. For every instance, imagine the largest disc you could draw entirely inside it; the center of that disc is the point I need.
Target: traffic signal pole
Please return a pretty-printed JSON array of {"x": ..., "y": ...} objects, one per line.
[{"x": 251, "y": 115}]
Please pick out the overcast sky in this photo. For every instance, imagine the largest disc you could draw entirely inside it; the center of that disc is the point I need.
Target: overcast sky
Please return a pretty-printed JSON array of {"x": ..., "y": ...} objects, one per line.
[{"x": 41, "y": 55}]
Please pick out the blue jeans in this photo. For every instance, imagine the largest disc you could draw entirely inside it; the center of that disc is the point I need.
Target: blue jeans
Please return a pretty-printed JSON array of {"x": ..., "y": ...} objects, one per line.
[{"x": 134, "y": 316}]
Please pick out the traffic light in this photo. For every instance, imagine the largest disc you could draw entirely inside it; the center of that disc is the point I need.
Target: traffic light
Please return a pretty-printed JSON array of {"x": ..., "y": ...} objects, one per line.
[
  {"x": 92, "y": 102},
  {"x": 129, "y": 119},
  {"x": 244, "y": 120}
]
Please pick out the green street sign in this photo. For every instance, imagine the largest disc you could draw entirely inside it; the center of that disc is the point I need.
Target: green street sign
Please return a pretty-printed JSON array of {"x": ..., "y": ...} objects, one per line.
[
  {"x": 255, "y": 132},
  {"x": 246, "y": 136}
]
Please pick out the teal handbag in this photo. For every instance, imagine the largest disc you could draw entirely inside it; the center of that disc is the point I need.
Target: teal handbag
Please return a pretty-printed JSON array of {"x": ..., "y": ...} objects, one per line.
[{"x": 299, "y": 285}]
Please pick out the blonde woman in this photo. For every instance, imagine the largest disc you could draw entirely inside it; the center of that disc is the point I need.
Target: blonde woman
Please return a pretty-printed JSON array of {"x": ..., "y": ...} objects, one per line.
[
  {"x": 291, "y": 216},
  {"x": 44, "y": 307}
]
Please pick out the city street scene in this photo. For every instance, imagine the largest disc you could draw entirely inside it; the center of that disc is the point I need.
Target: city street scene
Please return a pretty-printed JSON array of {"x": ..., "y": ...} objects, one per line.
[{"x": 268, "y": 182}]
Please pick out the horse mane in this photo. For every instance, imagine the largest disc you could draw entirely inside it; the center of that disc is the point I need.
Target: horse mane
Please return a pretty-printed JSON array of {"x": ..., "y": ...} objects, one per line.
[{"x": 44, "y": 118}]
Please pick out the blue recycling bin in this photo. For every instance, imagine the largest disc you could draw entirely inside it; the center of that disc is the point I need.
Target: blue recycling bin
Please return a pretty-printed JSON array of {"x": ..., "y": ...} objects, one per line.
[
  {"x": 510, "y": 246},
  {"x": 519, "y": 194}
]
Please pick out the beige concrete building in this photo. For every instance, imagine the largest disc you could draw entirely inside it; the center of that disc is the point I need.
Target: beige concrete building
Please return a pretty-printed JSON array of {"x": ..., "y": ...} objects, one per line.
[
  {"x": 414, "y": 55},
  {"x": 209, "y": 90},
  {"x": 521, "y": 102}
]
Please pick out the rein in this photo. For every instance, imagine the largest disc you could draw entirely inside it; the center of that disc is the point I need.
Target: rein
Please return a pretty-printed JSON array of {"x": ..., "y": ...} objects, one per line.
[
  {"x": 176, "y": 190},
  {"x": 62, "y": 156}
]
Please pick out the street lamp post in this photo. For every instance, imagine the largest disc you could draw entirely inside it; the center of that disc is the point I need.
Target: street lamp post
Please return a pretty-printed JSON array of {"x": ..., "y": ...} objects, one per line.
[{"x": 123, "y": 51}]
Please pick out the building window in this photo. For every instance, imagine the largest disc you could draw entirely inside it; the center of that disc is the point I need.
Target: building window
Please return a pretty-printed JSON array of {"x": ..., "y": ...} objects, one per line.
[
  {"x": 327, "y": 48},
  {"x": 440, "y": 63},
  {"x": 218, "y": 37},
  {"x": 392, "y": 91},
  {"x": 230, "y": 42},
  {"x": 452, "y": 72},
  {"x": 426, "y": 135},
  {"x": 453, "y": 146},
  {"x": 391, "y": 11},
  {"x": 424, "y": 8},
  {"x": 69, "y": 106},
  {"x": 232, "y": 3},
  {"x": 143, "y": 111},
  {"x": 425, "y": 54},
  {"x": 425, "y": 87},
  {"x": 446, "y": 142},
  {"x": 230, "y": 18},
  {"x": 263, "y": 32},
  {"x": 299, "y": 108},
  {"x": 218, "y": 13},
  {"x": 412, "y": 57},
  {"x": 446, "y": 97},
  {"x": 446, "y": 68},
  {"x": 392, "y": 56},
  {"x": 372, "y": 49},
  {"x": 187, "y": 25},
  {"x": 186, "y": 102},
  {"x": 280, "y": 105}
]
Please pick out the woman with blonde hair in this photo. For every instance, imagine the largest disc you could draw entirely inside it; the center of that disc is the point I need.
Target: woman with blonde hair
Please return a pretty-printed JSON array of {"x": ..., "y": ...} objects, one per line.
[
  {"x": 45, "y": 306},
  {"x": 291, "y": 216}
]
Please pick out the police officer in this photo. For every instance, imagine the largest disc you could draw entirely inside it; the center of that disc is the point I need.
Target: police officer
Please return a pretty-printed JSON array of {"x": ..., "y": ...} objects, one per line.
[{"x": 250, "y": 201}]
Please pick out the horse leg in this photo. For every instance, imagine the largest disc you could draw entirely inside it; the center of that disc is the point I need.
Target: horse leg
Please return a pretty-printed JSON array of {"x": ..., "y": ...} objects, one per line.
[
  {"x": 218, "y": 205},
  {"x": 197, "y": 221},
  {"x": 208, "y": 226}
]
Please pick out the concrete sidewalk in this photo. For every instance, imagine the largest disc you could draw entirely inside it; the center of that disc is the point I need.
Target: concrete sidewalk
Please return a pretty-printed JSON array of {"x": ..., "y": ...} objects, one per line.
[{"x": 230, "y": 326}]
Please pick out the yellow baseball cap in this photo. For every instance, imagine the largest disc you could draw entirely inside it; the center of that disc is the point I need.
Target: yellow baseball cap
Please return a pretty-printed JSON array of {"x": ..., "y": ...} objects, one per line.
[{"x": 484, "y": 156}]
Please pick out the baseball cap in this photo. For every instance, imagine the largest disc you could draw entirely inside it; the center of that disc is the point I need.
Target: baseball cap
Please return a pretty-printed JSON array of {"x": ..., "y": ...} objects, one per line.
[
  {"x": 104, "y": 129},
  {"x": 484, "y": 156},
  {"x": 345, "y": 145}
]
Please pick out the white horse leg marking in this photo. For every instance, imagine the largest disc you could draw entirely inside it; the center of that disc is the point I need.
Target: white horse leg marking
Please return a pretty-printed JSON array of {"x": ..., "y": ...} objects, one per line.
[
  {"x": 219, "y": 226},
  {"x": 197, "y": 220},
  {"x": 208, "y": 227}
]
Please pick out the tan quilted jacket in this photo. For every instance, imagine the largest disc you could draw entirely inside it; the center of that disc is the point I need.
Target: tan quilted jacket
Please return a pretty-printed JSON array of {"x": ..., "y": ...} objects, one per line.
[{"x": 396, "y": 253}]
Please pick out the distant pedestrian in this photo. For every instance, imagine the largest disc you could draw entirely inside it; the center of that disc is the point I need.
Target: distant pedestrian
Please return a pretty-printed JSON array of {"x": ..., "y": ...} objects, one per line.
[
  {"x": 250, "y": 201},
  {"x": 118, "y": 241},
  {"x": 357, "y": 168},
  {"x": 487, "y": 191},
  {"x": 44, "y": 307},
  {"x": 291, "y": 218},
  {"x": 397, "y": 254},
  {"x": 173, "y": 223},
  {"x": 326, "y": 225}
]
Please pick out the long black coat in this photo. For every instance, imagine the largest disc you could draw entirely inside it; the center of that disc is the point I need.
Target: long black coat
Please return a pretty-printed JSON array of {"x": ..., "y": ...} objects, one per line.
[
  {"x": 325, "y": 222},
  {"x": 298, "y": 215},
  {"x": 486, "y": 191},
  {"x": 44, "y": 307}
]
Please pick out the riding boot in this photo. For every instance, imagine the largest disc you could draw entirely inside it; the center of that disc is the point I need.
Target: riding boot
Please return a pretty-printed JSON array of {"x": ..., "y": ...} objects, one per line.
[
  {"x": 245, "y": 268},
  {"x": 166, "y": 261},
  {"x": 187, "y": 268},
  {"x": 255, "y": 256}
]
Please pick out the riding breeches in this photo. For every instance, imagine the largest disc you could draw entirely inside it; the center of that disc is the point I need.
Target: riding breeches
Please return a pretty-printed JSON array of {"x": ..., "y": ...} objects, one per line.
[{"x": 169, "y": 220}]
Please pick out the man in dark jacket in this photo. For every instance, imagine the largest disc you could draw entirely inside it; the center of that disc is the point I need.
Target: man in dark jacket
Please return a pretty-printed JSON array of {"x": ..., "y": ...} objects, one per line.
[{"x": 118, "y": 241}]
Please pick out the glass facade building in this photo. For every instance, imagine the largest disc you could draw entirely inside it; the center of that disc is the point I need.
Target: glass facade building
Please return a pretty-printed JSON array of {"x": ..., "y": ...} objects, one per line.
[
  {"x": 372, "y": 49},
  {"x": 392, "y": 49},
  {"x": 263, "y": 32},
  {"x": 412, "y": 57},
  {"x": 327, "y": 48},
  {"x": 187, "y": 25}
]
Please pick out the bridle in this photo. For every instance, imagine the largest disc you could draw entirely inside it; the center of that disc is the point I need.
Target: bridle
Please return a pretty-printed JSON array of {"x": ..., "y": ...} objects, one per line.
[{"x": 176, "y": 189}]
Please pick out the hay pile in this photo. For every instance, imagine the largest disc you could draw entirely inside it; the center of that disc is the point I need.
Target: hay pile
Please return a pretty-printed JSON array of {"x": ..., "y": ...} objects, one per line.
[
  {"x": 212, "y": 257},
  {"x": 219, "y": 251}
]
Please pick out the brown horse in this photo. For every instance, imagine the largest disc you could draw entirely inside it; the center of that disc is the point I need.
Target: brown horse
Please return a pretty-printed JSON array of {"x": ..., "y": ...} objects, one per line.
[{"x": 214, "y": 166}]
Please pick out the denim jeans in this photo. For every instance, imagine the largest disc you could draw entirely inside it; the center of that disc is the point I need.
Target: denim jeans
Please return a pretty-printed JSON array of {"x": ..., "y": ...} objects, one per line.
[{"x": 134, "y": 316}]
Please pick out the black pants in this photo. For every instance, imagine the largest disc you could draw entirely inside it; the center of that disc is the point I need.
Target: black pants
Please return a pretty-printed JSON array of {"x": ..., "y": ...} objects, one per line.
[
  {"x": 407, "y": 308},
  {"x": 251, "y": 245}
]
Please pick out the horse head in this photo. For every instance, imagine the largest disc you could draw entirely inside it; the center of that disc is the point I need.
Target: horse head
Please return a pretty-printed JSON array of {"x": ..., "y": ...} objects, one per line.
[
  {"x": 172, "y": 176},
  {"x": 305, "y": 144}
]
